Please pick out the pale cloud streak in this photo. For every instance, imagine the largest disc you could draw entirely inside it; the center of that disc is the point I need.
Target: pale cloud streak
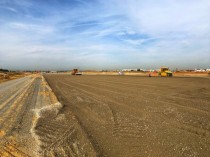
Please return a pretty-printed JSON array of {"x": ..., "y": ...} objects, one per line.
[
  {"x": 122, "y": 33},
  {"x": 35, "y": 28}
]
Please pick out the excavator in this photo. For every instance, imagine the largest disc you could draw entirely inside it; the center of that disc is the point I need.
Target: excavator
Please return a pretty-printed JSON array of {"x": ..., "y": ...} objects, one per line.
[{"x": 165, "y": 72}]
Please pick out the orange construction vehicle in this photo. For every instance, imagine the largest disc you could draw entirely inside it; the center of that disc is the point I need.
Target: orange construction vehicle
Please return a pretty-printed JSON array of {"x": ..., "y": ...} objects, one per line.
[{"x": 76, "y": 72}]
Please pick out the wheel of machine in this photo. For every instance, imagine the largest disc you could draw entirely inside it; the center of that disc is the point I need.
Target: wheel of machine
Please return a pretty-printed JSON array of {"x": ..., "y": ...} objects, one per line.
[{"x": 168, "y": 74}]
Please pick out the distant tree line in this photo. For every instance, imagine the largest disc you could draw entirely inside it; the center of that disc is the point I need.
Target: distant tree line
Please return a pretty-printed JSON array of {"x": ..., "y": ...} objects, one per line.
[{"x": 4, "y": 70}]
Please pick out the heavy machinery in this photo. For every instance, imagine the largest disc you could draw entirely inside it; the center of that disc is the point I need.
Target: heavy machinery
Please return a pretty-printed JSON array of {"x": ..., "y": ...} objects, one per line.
[
  {"x": 165, "y": 72},
  {"x": 76, "y": 72}
]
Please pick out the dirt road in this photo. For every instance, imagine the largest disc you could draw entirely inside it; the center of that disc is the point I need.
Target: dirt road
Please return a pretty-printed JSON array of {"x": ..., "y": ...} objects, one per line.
[
  {"x": 129, "y": 116},
  {"x": 31, "y": 123},
  {"x": 17, "y": 98}
]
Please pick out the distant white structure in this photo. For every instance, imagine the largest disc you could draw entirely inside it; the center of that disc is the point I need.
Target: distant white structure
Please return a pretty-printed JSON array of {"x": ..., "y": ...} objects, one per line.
[
  {"x": 200, "y": 70},
  {"x": 133, "y": 70},
  {"x": 53, "y": 71},
  {"x": 120, "y": 73},
  {"x": 141, "y": 70},
  {"x": 129, "y": 69}
]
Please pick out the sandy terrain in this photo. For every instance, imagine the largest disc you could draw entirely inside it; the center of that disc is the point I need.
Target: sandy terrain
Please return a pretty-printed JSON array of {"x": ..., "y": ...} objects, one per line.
[
  {"x": 153, "y": 74},
  {"x": 138, "y": 116},
  {"x": 11, "y": 75},
  {"x": 31, "y": 125},
  {"x": 104, "y": 116},
  {"x": 191, "y": 74}
]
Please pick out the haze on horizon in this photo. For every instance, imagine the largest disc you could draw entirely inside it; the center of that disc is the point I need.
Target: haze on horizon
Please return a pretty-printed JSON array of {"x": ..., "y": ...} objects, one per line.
[{"x": 98, "y": 34}]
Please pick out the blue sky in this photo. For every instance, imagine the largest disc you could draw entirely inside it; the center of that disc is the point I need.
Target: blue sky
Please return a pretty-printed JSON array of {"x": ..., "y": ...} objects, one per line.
[{"x": 98, "y": 34}]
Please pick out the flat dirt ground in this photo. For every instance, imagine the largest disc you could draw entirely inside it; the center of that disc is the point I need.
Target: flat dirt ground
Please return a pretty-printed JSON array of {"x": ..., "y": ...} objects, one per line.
[
  {"x": 8, "y": 76},
  {"x": 26, "y": 105},
  {"x": 130, "y": 116}
]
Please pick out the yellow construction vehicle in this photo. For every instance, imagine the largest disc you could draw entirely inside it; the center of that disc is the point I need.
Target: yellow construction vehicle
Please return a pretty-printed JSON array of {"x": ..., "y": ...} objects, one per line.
[{"x": 165, "y": 72}]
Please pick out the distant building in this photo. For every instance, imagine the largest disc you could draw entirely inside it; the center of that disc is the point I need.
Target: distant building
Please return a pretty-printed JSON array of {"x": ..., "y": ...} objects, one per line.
[
  {"x": 200, "y": 70},
  {"x": 129, "y": 69},
  {"x": 53, "y": 71},
  {"x": 141, "y": 70}
]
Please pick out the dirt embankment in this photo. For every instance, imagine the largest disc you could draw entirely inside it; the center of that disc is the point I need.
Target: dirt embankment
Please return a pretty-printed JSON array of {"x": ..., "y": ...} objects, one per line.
[
  {"x": 11, "y": 75},
  {"x": 139, "y": 116},
  {"x": 17, "y": 101},
  {"x": 31, "y": 123},
  {"x": 58, "y": 134}
]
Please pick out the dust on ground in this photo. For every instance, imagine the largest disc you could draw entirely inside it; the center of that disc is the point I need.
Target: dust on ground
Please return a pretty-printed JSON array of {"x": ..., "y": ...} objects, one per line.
[
  {"x": 7, "y": 76},
  {"x": 139, "y": 116},
  {"x": 104, "y": 116},
  {"x": 31, "y": 123}
]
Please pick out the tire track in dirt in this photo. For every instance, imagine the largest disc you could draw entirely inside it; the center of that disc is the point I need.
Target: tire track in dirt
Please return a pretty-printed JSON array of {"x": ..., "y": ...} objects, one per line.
[
  {"x": 163, "y": 119},
  {"x": 136, "y": 100},
  {"x": 8, "y": 89},
  {"x": 85, "y": 98},
  {"x": 127, "y": 127},
  {"x": 152, "y": 96},
  {"x": 10, "y": 100},
  {"x": 58, "y": 136},
  {"x": 14, "y": 106},
  {"x": 96, "y": 96},
  {"x": 124, "y": 125},
  {"x": 9, "y": 149},
  {"x": 16, "y": 139},
  {"x": 54, "y": 135},
  {"x": 198, "y": 125},
  {"x": 12, "y": 119},
  {"x": 195, "y": 130}
]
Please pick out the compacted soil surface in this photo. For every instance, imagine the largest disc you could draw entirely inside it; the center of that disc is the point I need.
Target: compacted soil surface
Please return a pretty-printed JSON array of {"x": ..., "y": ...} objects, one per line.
[
  {"x": 127, "y": 116},
  {"x": 60, "y": 115},
  {"x": 31, "y": 124}
]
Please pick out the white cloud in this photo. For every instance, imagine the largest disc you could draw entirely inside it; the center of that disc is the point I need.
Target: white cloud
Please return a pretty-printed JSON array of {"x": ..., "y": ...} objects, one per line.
[
  {"x": 118, "y": 32},
  {"x": 167, "y": 16},
  {"x": 32, "y": 27},
  {"x": 9, "y": 8}
]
